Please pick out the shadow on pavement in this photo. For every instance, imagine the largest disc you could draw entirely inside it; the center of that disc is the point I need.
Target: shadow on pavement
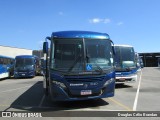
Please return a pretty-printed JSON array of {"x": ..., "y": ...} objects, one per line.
[
  {"x": 34, "y": 100},
  {"x": 158, "y": 68},
  {"x": 122, "y": 85}
]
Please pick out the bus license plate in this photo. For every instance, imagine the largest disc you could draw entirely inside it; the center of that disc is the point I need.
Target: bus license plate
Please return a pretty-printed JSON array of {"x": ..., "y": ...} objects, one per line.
[
  {"x": 122, "y": 79},
  {"x": 86, "y": 92}
]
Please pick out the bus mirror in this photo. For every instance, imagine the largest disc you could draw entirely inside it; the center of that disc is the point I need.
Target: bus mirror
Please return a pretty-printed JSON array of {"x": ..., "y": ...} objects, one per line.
[
  {"x": 49, "y": 38},
  {"x": 113, "y": 49},
  {"x": 45, "y": 47}
]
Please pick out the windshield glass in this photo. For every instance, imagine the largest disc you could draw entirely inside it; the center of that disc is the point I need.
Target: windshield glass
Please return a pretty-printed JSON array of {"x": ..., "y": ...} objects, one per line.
[
  {"x": 67, "y": 55},
  {"x": 99, "y": 54},
  {"x": 79, "y": 55},
  {"x": 125, "y": 56},
  {"x": 20, "y": 62}
]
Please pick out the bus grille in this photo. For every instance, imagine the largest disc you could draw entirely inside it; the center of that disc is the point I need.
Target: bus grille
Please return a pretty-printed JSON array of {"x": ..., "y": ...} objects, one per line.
[{"x": 86, "y": 79}]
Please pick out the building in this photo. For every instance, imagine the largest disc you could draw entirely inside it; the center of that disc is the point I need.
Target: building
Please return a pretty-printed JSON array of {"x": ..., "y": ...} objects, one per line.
[
  {"x": 150, "y": 59},
  {"x": 13, "y": 51},
  {"x": 38, "y": 53}
]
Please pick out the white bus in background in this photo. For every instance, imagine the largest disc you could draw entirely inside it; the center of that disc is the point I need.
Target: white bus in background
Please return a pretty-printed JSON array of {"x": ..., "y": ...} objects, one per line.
[
  {"x": 6, "y": 66},
  {"x": 125, "y": 64}
]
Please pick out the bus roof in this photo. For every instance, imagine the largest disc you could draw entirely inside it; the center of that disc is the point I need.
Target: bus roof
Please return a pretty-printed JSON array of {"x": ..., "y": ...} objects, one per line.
[
  {"x": 80, "y": 34},
  {"x": 123, "y": 45},
  {"x": 2, "y": 56}
]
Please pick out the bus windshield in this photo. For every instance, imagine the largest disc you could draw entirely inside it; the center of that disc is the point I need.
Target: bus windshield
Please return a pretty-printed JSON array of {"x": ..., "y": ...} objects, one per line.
[
  {"x": 80, "y": 55},
  {"x": 125, "y": 57},
  {"x": 99, "y": 54},
  {"x": 20, "y": 62}
]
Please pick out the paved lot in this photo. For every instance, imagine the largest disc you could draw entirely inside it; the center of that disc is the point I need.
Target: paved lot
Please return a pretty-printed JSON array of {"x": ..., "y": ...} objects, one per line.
[{"x": 27, "y": 95}]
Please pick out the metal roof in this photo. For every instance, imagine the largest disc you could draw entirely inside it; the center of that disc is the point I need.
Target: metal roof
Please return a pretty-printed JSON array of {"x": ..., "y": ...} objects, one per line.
[
  {"x": 2, "y": 56},
  {"x": 156, "y": 54},
  {"x": 123, "y": 45}
]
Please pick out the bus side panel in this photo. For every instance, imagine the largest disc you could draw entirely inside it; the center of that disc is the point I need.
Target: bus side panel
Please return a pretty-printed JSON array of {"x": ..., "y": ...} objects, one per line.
[{"x": 3, "y": 72}]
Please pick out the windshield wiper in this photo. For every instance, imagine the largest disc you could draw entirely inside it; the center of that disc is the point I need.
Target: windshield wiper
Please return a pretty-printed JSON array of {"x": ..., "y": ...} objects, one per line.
[
  {"x": 99, "y": 69},
  {"x": 75, "y": 62}
]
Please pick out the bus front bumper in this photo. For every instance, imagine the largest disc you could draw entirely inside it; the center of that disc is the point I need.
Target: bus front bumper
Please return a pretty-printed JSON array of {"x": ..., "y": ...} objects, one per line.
[
  {"x": 24, "y": 74},
  {"x": 126, "y": 78},
  {"x": 59, "y": 94}
]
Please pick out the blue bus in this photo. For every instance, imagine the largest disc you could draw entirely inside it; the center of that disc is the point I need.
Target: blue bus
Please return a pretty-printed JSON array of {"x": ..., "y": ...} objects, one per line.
[
  {"x": 6, "y": 66},
  {"x": 80, "y": 66},
  {"x": 125, "y": 64},
  {"x": 26, "y": 66}
]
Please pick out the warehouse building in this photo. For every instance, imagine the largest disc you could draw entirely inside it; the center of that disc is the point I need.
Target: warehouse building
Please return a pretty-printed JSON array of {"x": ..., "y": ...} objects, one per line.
[
  {"x": 150, "y": 59},
  {"x": 13, "y": 51}
]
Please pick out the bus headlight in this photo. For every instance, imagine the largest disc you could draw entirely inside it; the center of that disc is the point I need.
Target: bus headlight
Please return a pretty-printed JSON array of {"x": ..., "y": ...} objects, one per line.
[
  {"x": 108, "y": 82},
  {"x": 60, "y": 84}
]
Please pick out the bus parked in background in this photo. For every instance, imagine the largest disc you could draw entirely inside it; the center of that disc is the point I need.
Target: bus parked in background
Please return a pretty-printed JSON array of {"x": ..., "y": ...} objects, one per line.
[
  {"x": 80, "y": 66},
  {"x": 6, "y": 67},
  {"x": 26, "y": 66},
  {"x": 125, "y": 63}
]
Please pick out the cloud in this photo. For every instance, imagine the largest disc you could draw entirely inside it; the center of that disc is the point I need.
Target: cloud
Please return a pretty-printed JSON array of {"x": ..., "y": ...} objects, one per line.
[
  {"x": 99, "y": 20},
  {"x": 106, "y": 20},
  {"x": 120, "y": 23},
  {"x": 95, "y": 20}
]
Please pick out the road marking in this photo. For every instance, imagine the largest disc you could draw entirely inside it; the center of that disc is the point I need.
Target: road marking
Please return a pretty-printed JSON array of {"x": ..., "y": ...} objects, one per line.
[
  {"x": 40, "y": 105},
  {"x": 18, "y": 88},
  {"x": 137, "y": 94},
  {"x": 120, "y": 104}
]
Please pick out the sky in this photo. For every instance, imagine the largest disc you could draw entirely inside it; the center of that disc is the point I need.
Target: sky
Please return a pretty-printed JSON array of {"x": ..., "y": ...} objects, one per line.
[{"x": 26, "y": 23}]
